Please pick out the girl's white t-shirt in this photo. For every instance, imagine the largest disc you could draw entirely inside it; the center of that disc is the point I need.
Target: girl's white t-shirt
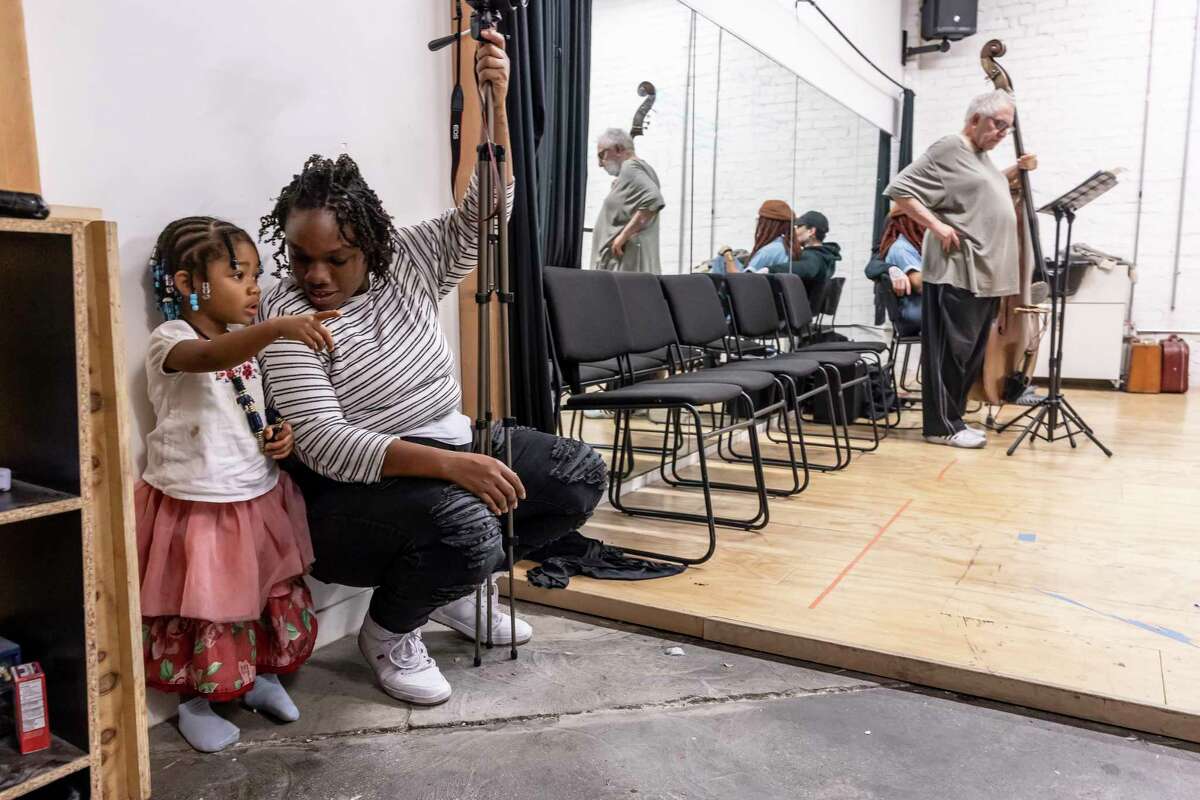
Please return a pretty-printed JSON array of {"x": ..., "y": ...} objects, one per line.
[{"x": 202, "y": 447}]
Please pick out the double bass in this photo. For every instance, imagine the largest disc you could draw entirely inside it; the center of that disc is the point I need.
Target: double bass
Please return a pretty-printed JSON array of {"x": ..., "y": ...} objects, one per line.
[
  {"x": 645, "y": 89},
  {"x": 1012, "y": 347}
]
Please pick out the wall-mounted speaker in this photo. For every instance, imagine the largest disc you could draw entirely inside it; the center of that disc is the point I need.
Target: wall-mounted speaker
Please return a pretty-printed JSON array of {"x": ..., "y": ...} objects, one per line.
[{"x": 948, "y": 19}]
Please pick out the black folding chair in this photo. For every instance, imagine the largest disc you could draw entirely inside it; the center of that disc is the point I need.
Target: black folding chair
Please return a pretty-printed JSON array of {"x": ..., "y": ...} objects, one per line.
[
  {"x": 752, "y": 305},
  {"x": 792, "y": 306},
  {"x": 589, "y": 324},
  {"x": 699, "y": 317},
  {"x": 901, "y": 339},
  {"x": 651, "y": 327}
]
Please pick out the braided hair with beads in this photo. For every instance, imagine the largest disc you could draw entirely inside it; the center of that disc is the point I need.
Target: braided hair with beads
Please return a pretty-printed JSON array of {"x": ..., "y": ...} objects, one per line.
[
  {"x": 336, "y": 185},
  {"x": 188, "y": 244}
]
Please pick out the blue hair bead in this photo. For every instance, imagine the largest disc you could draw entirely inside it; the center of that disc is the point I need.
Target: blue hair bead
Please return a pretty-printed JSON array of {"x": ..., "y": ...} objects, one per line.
[{"x": 195, "y": 300}]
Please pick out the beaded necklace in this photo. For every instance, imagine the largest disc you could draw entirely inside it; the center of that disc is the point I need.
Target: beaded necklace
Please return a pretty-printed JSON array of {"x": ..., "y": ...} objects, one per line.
[{"x": 246, "y": 401}]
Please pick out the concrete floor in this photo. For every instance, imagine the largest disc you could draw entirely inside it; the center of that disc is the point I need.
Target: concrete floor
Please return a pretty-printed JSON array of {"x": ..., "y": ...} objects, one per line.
[{"x": 596, "y": 710}]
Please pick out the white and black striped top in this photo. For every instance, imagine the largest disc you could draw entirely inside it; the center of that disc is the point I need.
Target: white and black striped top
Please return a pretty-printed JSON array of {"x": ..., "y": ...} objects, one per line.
[{"x": 391, "y": 372}]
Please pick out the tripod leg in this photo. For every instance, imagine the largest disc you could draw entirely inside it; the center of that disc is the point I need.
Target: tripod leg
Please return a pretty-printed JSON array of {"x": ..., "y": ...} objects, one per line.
[
  {"x": 510, "y": 555},
  {"x": 1075, "y": 414},
  {"x": 490, "y": 621},
  {"x": 478, "y": 622},
  {"x": 1016, "y": 419},
  {"x": 1037, "y": 420},
  {"x": 504, "y": 287},
  {"x": 485, "y": 286},
  {"x": 1086, "y": 430}
]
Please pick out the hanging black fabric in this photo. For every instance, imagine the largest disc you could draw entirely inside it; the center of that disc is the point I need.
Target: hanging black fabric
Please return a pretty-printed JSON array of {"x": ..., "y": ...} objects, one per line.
[
  {"x": 883, "y": 176},
  {"x": 550, "y": 53},
  {"x": 906, "y": 130},
  {"x": 563, "y": 156}
]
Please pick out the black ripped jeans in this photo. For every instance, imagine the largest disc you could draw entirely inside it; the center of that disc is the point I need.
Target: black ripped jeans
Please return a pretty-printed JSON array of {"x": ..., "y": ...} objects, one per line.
[{"x": 423, "y": 543}]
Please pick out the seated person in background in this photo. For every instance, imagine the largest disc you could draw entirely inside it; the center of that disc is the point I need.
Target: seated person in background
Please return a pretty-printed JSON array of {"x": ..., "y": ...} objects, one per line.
[
  {"x": 728, "y": 260},
  {"x": 774, "y": 242},
  {"x": 816, "y": 259},
  {"x": 900, "y": 251}
]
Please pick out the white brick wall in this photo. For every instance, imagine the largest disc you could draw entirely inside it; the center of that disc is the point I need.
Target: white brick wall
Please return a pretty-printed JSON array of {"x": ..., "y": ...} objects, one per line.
[
  {"x": 1080, "y": 74},
  {"x": 776, "y": 137},
  {"x": 1080, "y": 71}
]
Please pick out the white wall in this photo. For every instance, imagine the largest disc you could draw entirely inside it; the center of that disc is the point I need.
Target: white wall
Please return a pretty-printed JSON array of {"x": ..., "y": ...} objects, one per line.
[
  {"x": 1080, "y": 74},
  {"x": 799, "y": 39},
  {"x": 153, "y": 111}
]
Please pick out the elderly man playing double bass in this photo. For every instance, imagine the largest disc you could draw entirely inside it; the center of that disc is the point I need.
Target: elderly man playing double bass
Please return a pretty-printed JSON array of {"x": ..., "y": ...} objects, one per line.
[{"x": 969, "y": 258}]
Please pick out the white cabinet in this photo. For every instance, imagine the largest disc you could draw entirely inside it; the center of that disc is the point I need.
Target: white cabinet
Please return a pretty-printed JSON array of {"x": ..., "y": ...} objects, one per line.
[{"x": 1093, "y": 340}]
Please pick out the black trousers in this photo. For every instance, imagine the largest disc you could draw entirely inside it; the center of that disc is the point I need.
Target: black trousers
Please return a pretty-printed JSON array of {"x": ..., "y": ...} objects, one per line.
[
  {"x": 424, "y": 543},
  {"x": 954, "y": 331}
]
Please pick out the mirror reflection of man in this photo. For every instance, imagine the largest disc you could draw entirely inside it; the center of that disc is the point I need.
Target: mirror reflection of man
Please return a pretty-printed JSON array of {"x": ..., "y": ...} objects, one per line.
[{"x": 625, "y": 237}]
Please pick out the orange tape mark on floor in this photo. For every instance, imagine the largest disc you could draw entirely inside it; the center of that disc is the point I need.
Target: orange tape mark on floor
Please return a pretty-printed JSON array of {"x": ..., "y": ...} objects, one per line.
[
  {"x": 846, "y": 570},
  {"x": 942, "y": 474}
]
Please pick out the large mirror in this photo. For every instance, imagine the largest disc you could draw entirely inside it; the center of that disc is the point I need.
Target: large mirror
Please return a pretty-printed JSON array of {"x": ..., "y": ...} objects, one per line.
[{"x": 728, "y": 129}]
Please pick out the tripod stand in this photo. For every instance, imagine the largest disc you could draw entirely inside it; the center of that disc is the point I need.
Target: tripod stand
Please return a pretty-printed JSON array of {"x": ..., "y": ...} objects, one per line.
[
  {"x": 1054, "y": 411},
  {"x": 493, "y": 281}
]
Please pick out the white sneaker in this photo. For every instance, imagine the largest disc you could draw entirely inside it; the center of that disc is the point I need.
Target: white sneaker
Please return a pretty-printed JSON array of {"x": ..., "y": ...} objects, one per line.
[
  {"x": 402, "y": 664},
  {"x": 597, "y": 413},
  {"x": 966, "y": 438},
  {"x": 460, "y": 616}
]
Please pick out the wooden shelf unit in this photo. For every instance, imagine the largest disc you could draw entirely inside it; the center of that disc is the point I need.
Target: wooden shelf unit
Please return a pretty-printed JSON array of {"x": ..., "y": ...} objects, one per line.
[
  {"x": 29, "y": 501},
  {"x": 41, "y": 769},
  {"x": 68, "y": 553}
]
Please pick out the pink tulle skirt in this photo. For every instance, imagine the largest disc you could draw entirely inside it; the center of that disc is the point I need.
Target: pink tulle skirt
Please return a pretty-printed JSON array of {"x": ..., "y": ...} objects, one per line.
[{"x": 219, "y": 561}]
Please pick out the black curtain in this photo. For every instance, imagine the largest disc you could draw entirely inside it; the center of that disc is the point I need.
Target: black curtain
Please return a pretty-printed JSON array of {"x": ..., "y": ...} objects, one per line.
[
  {"x": 883, "y": 168},
  {"x": 563, "y": 155},
  {"x": 550, "y": 50},
  {"x": 906, "y": 130},
  {"x": 883, "y": 176}
]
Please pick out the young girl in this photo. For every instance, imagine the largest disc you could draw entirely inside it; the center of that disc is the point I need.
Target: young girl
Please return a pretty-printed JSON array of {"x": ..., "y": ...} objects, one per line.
[{"x": 223, "y": 539}]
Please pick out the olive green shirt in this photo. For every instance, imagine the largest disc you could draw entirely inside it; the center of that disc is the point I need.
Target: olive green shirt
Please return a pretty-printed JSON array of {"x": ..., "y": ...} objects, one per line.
[
  {"x": 962, "y": 187},
  {"x": 636, "y": 188}
]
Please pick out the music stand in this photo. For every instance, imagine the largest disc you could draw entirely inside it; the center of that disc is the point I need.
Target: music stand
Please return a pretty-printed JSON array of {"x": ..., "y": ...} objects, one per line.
[{"x": 1053, "y": 411}]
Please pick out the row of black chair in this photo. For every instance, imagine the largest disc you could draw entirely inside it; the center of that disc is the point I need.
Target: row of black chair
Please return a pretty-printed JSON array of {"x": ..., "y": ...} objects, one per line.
[{"x": 623, "y": 331}]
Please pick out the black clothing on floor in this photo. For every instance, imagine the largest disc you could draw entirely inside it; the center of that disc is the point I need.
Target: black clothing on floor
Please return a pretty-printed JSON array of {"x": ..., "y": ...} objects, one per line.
[{"x": 576, "y": 554}]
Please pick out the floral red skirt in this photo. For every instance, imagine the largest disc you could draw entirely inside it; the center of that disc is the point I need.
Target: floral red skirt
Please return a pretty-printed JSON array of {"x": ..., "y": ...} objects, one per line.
[
  {"x": 220, "y": 660},
  {"x": 222, "y": 588}
]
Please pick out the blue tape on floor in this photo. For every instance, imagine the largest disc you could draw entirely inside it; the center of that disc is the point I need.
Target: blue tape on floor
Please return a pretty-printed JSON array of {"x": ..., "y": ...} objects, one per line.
[
  {"x": 1027, "y": 537},
  {"x": 1150, "y": 627}
]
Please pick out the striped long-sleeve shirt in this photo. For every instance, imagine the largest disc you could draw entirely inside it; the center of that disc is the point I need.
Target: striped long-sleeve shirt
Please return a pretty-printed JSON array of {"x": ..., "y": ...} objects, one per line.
[{"x": 392, "y": 371}]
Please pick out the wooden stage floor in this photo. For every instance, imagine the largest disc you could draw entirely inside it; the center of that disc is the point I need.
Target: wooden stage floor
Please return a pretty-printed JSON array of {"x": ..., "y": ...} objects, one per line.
[{"x": 1056, "y": 579}]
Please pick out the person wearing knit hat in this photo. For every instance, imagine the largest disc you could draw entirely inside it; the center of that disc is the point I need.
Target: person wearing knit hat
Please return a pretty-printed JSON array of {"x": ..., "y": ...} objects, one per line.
[{"x": 773, "y": 241}]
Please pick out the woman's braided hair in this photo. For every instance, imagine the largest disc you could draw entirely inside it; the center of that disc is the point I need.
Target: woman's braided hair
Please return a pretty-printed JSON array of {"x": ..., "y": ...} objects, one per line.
[{"x": 338, "y": 186}]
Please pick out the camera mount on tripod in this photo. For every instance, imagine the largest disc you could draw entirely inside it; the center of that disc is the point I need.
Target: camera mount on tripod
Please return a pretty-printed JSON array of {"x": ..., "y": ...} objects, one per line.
[{"x": 485, "y": 15}]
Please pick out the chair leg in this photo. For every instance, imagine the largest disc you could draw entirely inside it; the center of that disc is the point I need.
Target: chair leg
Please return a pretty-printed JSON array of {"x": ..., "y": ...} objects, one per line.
[
  {"x": 798, "y": 398},
  {"x": 725, "y": 450},
  {"x": 786, "y": 408},
  {"x": 756, "y": 522}
]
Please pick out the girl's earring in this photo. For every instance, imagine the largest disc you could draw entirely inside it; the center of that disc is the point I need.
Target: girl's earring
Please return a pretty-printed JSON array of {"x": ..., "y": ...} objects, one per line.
[
  {"x": 205, "y": 291},
  {"x": 195, "y": 300}
]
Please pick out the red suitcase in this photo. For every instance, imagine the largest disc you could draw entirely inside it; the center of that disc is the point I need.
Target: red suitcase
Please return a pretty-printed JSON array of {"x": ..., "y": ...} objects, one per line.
[{"x": 1175, "y": 354}]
